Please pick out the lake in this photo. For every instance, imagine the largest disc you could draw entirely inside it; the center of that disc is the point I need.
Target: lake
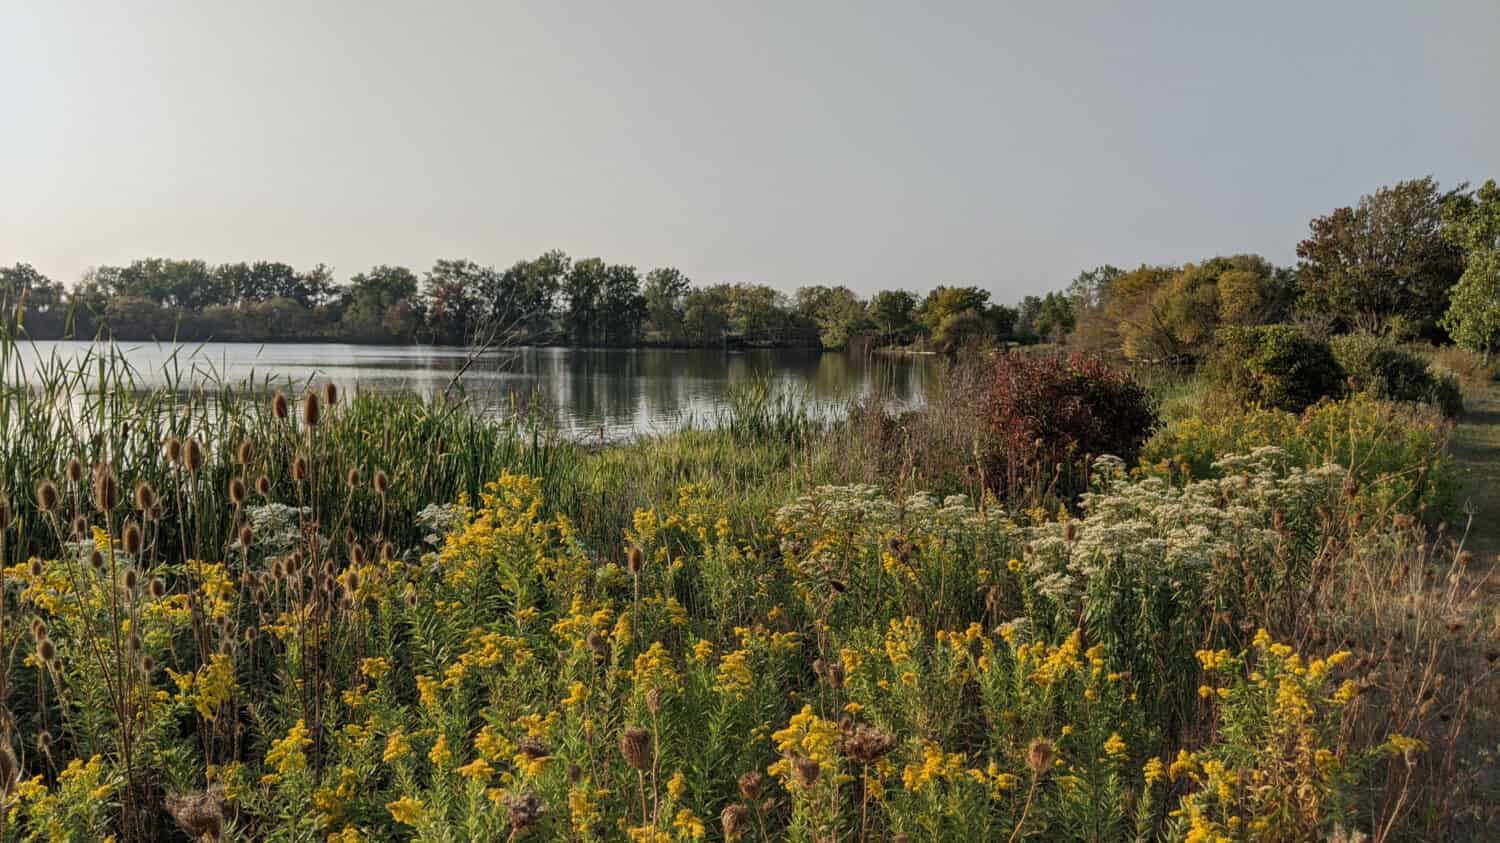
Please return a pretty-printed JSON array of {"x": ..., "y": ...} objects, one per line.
[{"x": 605, "y": 394}]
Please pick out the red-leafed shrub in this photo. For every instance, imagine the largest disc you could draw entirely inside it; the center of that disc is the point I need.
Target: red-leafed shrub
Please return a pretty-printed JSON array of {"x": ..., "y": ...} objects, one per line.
[{"x": 1048, "y": 415}]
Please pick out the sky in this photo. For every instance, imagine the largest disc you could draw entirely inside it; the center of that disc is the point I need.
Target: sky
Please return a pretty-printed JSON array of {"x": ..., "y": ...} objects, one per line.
[{"x": 875, "y": 144}]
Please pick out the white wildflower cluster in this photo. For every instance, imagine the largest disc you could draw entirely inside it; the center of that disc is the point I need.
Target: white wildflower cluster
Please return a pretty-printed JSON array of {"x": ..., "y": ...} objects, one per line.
[
  {"x": 442, "y": 519},
  {"x": 276, "y": 528}
]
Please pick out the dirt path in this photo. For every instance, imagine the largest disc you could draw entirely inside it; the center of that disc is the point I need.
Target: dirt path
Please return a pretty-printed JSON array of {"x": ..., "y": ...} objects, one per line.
[{"x": 1476, "y": 448}]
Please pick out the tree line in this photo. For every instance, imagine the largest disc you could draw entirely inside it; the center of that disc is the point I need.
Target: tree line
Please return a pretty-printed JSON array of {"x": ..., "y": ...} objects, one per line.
[
  {"x": 551, "y": 299},
  {"x": 1410, "y": 260}
]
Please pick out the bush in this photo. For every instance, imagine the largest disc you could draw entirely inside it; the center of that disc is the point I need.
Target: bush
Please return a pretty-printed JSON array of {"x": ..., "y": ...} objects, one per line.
[
  {"x": 1276, "y": 366},
  {"x": 1377, "y": 365},
  {"x": 1049, "y": 414}
]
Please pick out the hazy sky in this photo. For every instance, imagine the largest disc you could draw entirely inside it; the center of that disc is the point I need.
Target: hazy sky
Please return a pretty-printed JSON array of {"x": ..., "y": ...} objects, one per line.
[{"x": 877, "y": 144}]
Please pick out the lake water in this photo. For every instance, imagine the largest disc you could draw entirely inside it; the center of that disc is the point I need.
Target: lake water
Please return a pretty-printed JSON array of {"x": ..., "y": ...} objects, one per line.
[{"x": 594, "y": 393}]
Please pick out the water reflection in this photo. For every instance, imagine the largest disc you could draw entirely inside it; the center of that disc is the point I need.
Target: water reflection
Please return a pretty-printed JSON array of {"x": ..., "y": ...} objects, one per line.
[{"x": 604, "y": 393}]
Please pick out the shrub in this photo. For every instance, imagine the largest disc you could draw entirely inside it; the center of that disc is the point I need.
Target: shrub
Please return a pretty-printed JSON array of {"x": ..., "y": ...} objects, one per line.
[
  {"x": 1377, "y": 365},
  {"x": 1397, "y": 454},
  {"x": 1049, "y": 414},
  {"x": 1276, "y": 366}
]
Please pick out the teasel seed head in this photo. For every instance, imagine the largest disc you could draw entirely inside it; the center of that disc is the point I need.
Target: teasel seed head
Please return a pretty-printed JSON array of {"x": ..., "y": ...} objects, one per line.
[
  {"x": 352, "y": 478},
  {"x": 635, "y": 559},
  {"x": 145, "y": 497},
  {"x": 735, "y": 819},
  {"x": 750, "y": 785},
  {"x": 174, "y": 450},
  {"x": 106, "y": 488},
  {"x": 312, "y": 411},
  {"x": 46, "y": 499},
  {"x": 387, "y": 551},
  {"x": 279, "y": 406},
  {"x": 245, "y": 452},
  {"x": 74, "y": 471},
  {"x": 357, "y": 555},
  {"x": 836, "y": 675},
  {"x": 278, "y": 570},
  {"x": 134, "y": 643},
  {"x": 330, "y": 393},
  {"x": 524, "y": 809},
  {"x": 382, "y": 482},
  {"x": 158, "y": 588},
  {"x": 263, "y": 486},
  {"x": 36, "y": 567},
  {"x": 193, "y": 456},
  {"x": 96, "y": 560},
  {"x": 148, "y": 665},
  {"x": 130, "y": 538},
  {"x": 299, "y": 468},
  {"x": 805, "y": 770},
  {"x": 351, "y": 582},
  {"x": 246, "y": 536},
  {"x": 46, "y": 650},
  {"x": 237, "y": 491},
  {"x": 38, "y": 629},
  {"x": 80, "y": 527},
  {"x": 1039, "y": 756},
  {"x": 635, "y": 746},
  {"x": 654, "y": 700},
  {"x": 131, "y": 581},
  {"x": 575, "y": 774}
]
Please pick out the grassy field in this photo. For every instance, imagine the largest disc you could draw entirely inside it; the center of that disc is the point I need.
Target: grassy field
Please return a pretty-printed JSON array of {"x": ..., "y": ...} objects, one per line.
[{"x": 424, "y": 625}]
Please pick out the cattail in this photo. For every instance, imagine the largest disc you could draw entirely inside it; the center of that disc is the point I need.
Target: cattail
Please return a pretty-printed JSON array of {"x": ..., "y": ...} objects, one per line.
[
  {"x": 312, "y": 411},
  {"x": 352, "y": 478},
  {"x": 734, "y": 820},
  {"x": 245, "y": 537},
  {"x": 96, "y": 560},
  {"x": 635, "y": 560},
  {"x": 145, "y": 497},
  {"x": 158, "y": 588},
  {"x": 46, "y": 498},
  {"x": 278, "y": 405},
  {"x": 805, "y": 771},
  {"x": 330, "y": 393},
  {"x": 130, "y": 539},
  {"x": 237, "y": 491},
  {"x": 106, "y": 488},
  {"x": 1039, "y": 755},
  {"x": 174, "y": 450},
  {"x": 74, "y": 471},
  {"x": 382, "y": 483},
  {"x": 242, "y": 456},
  {"x": 524, "y": 810},
  {"x": 635, "y": 745},
  {"x": 193, "y": 456},
  {"x": 46, "y": 650},
  {"x": 263, "y": 486},
  {"x": 750, "y": 785},
  {"x": 299, "y": 468}
]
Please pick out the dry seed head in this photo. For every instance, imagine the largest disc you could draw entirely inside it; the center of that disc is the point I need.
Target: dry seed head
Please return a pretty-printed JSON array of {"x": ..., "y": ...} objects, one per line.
[
  {"x": 145, "y": 497},
  {"x": 106, "y": 488},
  {"x": 245, "y": 452},
  {"x": 352, "y": 478},
  {"x": 524, "y": 810},
  {"x": 46, "y": 650},
  {"x": 130, "y": 539},
  {"x": 148, "y": 664},
  {"x": 635, "y": 559},
  {"x": 237, "y": 491},
  {"x": 131, "y": 580},
  {"x": 653, "y": 700},
  {"x": 80, "y": 527},
  {"x": 193, "y": 456},
  {"x": 158, "y": 587},
  {"x": 74, "y": 471},
  {"x": 330, "y": 393},
  {"x": 806, "y": 770},
  {"x": 278, "y": 405},
  {"x": 750, "y": 785},
  {"x": 46, "y": 497},
  {"x": 263, "y": 486},
  {"x": 387, "y": 551},
  {"x": 1039, "y": 756},
  {"x": 36, "y": 567},
  {"x": 38, "y": 629},
  {"x": 382, "y": 483},
  {"x": 245, "y": 537},
  {"x": 357, "y": 555},
  {"x": 312, "y": 411},
  {"x": 635, "y": 746},
  {"x": 174, "y": 450},
  {"x": 299, "y": 468},
  {"x": 135, "y": 643},
  {"x": 735, "y": 820},
  {"x": 96, "y": 560}
]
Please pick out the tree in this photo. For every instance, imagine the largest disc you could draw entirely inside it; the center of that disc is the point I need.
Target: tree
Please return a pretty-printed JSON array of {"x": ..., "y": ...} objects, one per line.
[
  {"x": 519, "y": 306},
  {"x": 837, "y": 313},
  {"x": 893, "y": 313},
  {"x": 1473, "y": 316},
  {"x": 664, "y": 292},
  {"x": 1383, "y": 265},
  {"x": 622, "y": 308},
  {"x": 705, "y": 315},
  {"x": 451, "y": 296},
  {"x": 582, "y": 287},
  {"x": 380, "y": 304}
]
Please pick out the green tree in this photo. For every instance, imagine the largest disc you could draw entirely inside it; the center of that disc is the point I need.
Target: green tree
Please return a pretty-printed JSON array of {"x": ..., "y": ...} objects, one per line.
[
  {"x": 1473, "y": 316},
  {"x": 381, "y": 304},
  {"x": 1383, "y": 265},
  {"x": 705, "y": 315},
  {"x": 664, "y": 291},
  {"x": 837, "y": 313},
  {"x": 520, "y": 305},
  {"x": 893, "y": 313},
  {"x": 582, "y": 288},
  {"x": 622, "y": 308},
  {"x": 451, "y": 298}
]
